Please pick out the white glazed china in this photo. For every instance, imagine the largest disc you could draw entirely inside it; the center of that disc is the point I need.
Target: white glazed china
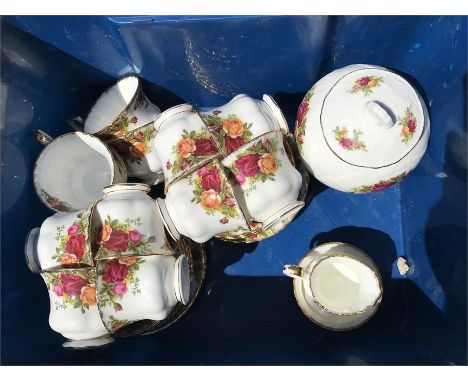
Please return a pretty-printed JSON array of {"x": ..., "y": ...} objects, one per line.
[
  {"x": 136, "y": 149},
  {"x": 137, "y": 288},
  {"x": 362, "y": 128},
  {"x": 183, "y": 143},
  {"x": 73, "y": 305},
  {"x": 121, "y": 108},
  {"x": 243, "y": 119},
  {"x": 126, "y": 223},
  {"x": 62, "y": 241},
  {"x": 201, "y": 205},
  {"x": 336, "y": 286},
  {"x": 72, "y": 170},
  {"x": 267, "y": 183}
]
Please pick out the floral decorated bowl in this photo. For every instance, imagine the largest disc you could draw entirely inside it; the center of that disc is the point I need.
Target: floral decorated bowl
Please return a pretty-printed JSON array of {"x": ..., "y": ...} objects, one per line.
[
  {"x": 120, "y": 109},
  {"x": 243, "y": 119},
  {"x": 63, "y": 241},
  {"x": 267, "y": 183},
  {"x": 362, "y": 128},
  {"x": 73, "y": 305},
  {"x": 201, "y": 205},
  {"x": 126, "y": 223},
  {"x": 183, "y": 143},
  {"x": 137, "y": 288},
  {"x": 136, "y": 149},
  {"x": 72, "y": 170}
]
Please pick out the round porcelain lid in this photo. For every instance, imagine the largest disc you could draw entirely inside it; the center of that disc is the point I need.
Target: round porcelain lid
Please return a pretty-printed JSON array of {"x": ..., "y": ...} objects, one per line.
[{"x": 372, "y": 118}]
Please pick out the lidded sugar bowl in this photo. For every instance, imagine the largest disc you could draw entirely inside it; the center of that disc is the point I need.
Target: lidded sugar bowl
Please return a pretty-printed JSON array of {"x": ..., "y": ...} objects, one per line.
[{"x": 362, "y": 128}]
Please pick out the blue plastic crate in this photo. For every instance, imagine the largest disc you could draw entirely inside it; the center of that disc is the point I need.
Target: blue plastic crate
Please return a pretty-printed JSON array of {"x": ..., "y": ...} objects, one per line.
[{"x": 55, "y": 67}]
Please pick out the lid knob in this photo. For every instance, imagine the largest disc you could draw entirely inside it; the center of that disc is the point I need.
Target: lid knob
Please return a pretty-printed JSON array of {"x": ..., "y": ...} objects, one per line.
[{"x": 376, "y": 115}]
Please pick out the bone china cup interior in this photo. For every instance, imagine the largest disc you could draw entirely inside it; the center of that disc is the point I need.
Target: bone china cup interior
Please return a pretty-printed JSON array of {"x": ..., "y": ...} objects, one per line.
[
  {"x": 126, "y": 223},
  {"x": 336, "y": 286},
  {"x": 63, "y": 241},
  {"x": 72, "y": 170},
  {"x": 183, "y": 142},
  {"x": 120, "y": 109},
  {"x": 267, "y": 183},
  {"x": 243, "y": 119},
  {"x": 73, "y": 303},
  {"x": 201, "y": 205},
  {"x": 138, "y": 288}
]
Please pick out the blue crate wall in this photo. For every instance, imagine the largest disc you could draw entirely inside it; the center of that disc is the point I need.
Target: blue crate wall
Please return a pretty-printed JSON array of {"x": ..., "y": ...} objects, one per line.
[{"x": 246, "y": 312}]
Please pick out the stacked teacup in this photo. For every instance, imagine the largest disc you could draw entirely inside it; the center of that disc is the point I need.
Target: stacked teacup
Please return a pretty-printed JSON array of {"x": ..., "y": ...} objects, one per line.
[
  {"x": 104, "y": 255},
  {"x": 225, "y": 169}
]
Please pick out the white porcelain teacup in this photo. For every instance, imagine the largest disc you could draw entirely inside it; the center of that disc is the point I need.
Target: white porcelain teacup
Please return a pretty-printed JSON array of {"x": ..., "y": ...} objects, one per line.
[
  {"x": 63, "y": 240},
  {"x": 337, "y": 286},
  {"x": 183, "y": 143},
  {"x": 72, "y": 170},
  {"x": 137, "y": 288},
  {"x": 126, "y": 223},
  {"x": 201, "y": 205},
  {"x": 243, "y": 119},
  {"x": 120, "y": 109},
  {"x": 136, "y": 149},
  {"x": 267, "y": 183},
  {"x": 73, "y": 306}
]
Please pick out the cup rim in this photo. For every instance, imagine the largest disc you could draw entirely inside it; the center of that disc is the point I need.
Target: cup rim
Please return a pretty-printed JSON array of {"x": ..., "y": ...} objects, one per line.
[
  {"x": 112, "y": 162},
  {"x": 290, "y": 209},
  {"x": 137, "y": 90},
  {"x": 126, "y": 187},
  {"x": 307, "y": 313},
  {"x": 277, "y": 113},
  {"x": 170, "y": 113},
  {"x": 365, "y": 309}
]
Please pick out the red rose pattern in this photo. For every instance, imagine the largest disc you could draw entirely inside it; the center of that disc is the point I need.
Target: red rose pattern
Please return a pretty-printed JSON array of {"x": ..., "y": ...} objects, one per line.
[
  {"x": 72, "y": 284},
  {"x": 232, "y": 144},
  {"x": 76, "y": 244},
  {"x": 210, "y": 180},
  {"x": 118, "y": 241},
  {"x": 205, "y": 146},
  {"x": 114, "y": 272},
  {"x": 248, "y": 165}
]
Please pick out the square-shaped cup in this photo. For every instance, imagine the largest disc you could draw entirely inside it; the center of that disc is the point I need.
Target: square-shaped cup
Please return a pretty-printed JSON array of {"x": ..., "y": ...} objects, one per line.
[
  {"x": 64, "y": 240},
  {"x": 201, "y": 205},
  {"x": 73, "y": 304},
  {"x": 242, "y": 119},
  {"x": 267, "y": 183},
  {"x": 136, "y": 149},
  {"x": 183, "y": 143},
  {"x": 122, "y": 108},
  {"x": 138, "y": 288}
]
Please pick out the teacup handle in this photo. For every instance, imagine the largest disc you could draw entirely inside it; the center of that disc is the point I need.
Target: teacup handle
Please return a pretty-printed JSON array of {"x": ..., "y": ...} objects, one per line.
[
  {"x": 76, "y": 123},
  {"x": 30, "y": 250},
  {"x": 293, "y": 271},
  {"x": 43, "y": 137}
]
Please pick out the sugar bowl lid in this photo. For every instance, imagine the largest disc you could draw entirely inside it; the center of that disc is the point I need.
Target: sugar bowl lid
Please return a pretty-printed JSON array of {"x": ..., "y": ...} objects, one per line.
[{"x": 372, "y": 118}]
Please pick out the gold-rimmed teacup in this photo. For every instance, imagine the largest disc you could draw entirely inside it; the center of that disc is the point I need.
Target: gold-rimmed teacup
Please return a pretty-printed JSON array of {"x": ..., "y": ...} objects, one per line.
[{"x": 337, "y": 286}]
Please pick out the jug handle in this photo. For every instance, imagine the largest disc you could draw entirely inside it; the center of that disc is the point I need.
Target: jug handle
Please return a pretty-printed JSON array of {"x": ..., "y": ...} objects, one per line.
[
  {"x": 42, "y": 137},
  {"x": 30, "y": 250},
  {"x": 293, "y": 271}
]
